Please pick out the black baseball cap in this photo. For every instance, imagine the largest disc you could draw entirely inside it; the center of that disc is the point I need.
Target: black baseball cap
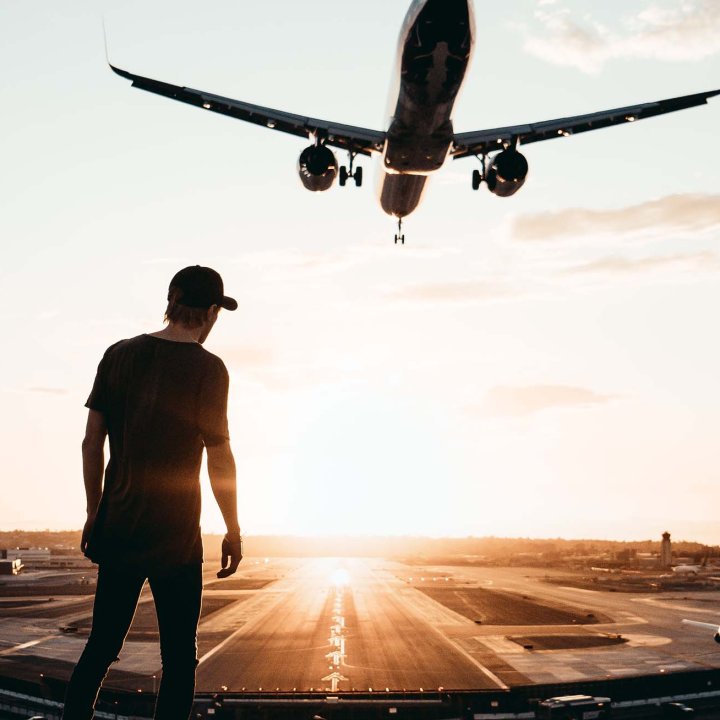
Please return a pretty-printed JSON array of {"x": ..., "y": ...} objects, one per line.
[{"x": 200, "y": 287}]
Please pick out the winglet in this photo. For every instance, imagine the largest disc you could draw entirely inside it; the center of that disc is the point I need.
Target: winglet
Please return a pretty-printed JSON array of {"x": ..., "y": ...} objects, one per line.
[
  {"x": 121, "y": 73},
  {"x": 107, "y": 54}
]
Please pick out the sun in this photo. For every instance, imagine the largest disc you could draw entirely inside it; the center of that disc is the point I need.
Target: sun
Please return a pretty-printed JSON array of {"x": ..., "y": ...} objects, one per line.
[{"x": 340, "y": 578}]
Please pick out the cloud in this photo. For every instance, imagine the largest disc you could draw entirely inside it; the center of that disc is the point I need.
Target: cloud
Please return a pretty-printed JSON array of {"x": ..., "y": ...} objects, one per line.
[
  {"x": 506, "y": 401},
  {"x": 47, "y": 390},
  {"x": 458, "y": 292},
  {"x": 673, "y": 213},
  {"x": 619, "y": 265},
  {"x": 685, "y": 33}
]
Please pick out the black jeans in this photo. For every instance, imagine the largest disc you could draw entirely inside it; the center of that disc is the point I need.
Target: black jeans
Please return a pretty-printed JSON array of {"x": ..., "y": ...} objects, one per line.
[{"x": 178, "y": 594}]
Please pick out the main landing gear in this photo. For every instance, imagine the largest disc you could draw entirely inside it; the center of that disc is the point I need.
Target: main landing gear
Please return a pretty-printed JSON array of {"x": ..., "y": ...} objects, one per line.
[
  {"x": 479, "y": 175},
  {"x": 400, "y": 235},
  {"x": 348, "y": 172}
]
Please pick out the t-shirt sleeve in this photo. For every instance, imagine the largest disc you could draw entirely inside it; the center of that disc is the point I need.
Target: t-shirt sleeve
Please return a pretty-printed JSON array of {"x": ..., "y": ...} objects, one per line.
[
  {"x": 212, "y": 414},
  {"x": 98, "y": 395}
]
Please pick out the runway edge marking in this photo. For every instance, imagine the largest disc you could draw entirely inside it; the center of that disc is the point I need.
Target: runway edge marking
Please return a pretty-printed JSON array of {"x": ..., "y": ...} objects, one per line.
[
  {"x": 242, "y": 628},
  {"x": 489, "y": 673}
]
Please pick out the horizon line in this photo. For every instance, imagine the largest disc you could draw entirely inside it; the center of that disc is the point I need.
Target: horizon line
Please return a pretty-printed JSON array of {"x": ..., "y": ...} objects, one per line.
[{"x": 378, "y": 537}]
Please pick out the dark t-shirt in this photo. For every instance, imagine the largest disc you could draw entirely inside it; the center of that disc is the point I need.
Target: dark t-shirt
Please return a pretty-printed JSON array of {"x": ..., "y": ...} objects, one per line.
[{"x": 162, "y": 401}]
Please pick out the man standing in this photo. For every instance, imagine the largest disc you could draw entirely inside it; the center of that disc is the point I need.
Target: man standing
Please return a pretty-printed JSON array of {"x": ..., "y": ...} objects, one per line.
[{"x": 160, "y": 398}]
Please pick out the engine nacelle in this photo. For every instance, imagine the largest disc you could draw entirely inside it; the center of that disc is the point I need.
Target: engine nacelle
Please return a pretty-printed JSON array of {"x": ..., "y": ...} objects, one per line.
[
  {"x": 507, "y": 173},
  {"x": 317, "y": 167}
]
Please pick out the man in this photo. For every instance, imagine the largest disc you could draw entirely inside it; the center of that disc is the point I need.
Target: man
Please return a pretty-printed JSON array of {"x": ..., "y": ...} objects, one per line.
[{"x": 161, "y": 398}]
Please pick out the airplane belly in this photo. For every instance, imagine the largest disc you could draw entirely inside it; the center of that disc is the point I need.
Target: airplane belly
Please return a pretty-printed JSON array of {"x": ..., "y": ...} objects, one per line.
[
  {"x": 415, "y": 153},
  {"x": 434, "y": 54},
  {"x": 401, "y": 194}
]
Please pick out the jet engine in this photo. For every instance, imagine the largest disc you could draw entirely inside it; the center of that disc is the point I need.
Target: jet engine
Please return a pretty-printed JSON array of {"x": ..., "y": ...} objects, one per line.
[
  {"x": 507, "y": 173},
  {"x": 317, "y": 167}
]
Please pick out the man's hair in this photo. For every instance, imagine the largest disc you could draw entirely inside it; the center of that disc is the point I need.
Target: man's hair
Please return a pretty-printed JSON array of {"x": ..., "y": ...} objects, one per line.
[{"x": 189, "y": 317}]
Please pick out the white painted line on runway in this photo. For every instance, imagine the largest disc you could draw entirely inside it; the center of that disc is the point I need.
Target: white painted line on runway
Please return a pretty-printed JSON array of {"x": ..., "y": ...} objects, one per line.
[
  {"x": 243, "y": 628},
  {"x": 421, "y": 616},
  {"x": 472, "y": 659},
  {"x": 672, "y": 606},
  {"x": 15, "y": 648},
  {"x": 220, "y": 646}
]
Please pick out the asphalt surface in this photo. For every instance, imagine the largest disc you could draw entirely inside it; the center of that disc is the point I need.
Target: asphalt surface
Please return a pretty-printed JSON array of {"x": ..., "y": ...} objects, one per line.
[
  {"x": 342, "y": 624},
  {"x": 383, "y": 638}
]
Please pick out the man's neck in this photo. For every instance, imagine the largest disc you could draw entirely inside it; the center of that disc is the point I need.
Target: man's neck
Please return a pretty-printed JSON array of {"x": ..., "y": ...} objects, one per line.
[{"x": 179, "y": 333}]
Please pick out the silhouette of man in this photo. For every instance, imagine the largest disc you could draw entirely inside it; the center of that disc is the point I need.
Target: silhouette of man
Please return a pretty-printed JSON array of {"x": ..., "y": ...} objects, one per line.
[{"x": 160, "y": 398}]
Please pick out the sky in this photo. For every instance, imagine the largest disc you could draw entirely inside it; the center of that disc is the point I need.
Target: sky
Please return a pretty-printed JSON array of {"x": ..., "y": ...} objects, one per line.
[{"x": 544, "y": 365}]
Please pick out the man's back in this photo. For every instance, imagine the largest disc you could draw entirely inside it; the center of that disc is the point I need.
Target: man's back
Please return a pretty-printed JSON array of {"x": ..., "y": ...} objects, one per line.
[{"x": 162, "y": 401}]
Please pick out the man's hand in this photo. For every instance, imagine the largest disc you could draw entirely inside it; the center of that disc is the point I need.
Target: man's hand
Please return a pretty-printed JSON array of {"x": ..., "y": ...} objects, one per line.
[
  {"x": 87, "y": 531},
  {"x": 231, "y": 554}
]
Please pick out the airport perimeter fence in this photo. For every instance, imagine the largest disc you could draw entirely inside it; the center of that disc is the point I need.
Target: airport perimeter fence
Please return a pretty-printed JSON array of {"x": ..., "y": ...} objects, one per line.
[{"x": 23, "y": 699}]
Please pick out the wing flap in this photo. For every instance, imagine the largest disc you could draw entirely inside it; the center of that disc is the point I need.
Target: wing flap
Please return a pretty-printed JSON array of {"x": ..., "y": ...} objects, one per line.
[{"x": 483, "y": 141}]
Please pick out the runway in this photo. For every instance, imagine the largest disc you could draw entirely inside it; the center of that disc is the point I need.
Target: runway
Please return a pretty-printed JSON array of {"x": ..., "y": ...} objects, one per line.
[
  {"x": 334, "y": 625},
  {"x": 342, "y": 616}
]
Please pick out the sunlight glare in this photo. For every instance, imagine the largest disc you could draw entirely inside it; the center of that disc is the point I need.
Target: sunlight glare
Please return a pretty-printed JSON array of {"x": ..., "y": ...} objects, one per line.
[{"x": 340, "y": 578}]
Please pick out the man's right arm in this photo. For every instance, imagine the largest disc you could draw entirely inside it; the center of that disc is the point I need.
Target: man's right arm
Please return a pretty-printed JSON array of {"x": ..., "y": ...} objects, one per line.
[
  {"x": 221, "y": 469},
  {"x": 93, "y": 455}
]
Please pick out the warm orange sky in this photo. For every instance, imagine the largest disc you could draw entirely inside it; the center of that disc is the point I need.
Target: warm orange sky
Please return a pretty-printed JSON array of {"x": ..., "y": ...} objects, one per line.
[{"x": 543, "y": 365}]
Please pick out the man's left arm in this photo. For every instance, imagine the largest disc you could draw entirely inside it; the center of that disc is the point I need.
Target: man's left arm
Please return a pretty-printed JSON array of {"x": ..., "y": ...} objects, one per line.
[
  {"x": 93, "y": 455},
  {"x": 220, "y": 461}
]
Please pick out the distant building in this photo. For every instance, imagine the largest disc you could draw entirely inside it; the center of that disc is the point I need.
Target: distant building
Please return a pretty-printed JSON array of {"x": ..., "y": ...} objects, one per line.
[
  {"x": 30, "y": 557},
  {"x": 10, "y": 567},
  {"x": 666, "y": 551},
  {"x": 44, "y": 559}
]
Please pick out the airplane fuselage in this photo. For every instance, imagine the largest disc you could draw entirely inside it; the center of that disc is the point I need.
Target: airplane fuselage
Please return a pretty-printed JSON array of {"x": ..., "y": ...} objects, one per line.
[{"x": 435, "y": 47}]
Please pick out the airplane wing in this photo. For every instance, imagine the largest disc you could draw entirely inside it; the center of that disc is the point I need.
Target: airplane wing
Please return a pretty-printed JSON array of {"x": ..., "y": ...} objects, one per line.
[
  {"x": 346, "y": 137},
  {"x": 481, "y": 142},
  {"x": 696, "y": 623}
]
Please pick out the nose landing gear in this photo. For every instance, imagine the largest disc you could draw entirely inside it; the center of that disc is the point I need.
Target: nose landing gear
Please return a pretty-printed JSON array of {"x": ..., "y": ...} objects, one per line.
[
  {"x": 400, "y": 235},
  {"x": 348, "y": 172}
]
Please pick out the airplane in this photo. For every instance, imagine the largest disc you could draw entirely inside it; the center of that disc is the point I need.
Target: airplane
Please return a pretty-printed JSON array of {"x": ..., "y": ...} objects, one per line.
[
  {"x": 707, "y": 626},
  {"x": 434, "y": 50},
  {"x": 687, "y": 569}
]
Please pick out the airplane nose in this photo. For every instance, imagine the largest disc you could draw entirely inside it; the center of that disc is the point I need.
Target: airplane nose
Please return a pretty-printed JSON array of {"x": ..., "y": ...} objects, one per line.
[{"x": 445, "y": 21}]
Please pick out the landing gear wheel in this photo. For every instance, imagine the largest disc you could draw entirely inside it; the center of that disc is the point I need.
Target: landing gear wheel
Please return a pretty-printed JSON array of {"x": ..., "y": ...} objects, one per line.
[
  {"x": 343, "y": 175},
  {"x": 358, "y": 177},
  {"x": 476, "y": 179},
  {"x": 401, "y": 238}
]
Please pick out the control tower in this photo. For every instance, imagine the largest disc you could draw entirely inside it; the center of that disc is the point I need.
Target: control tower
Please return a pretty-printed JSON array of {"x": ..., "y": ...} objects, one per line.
[{"x": 666, "y": 551}]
